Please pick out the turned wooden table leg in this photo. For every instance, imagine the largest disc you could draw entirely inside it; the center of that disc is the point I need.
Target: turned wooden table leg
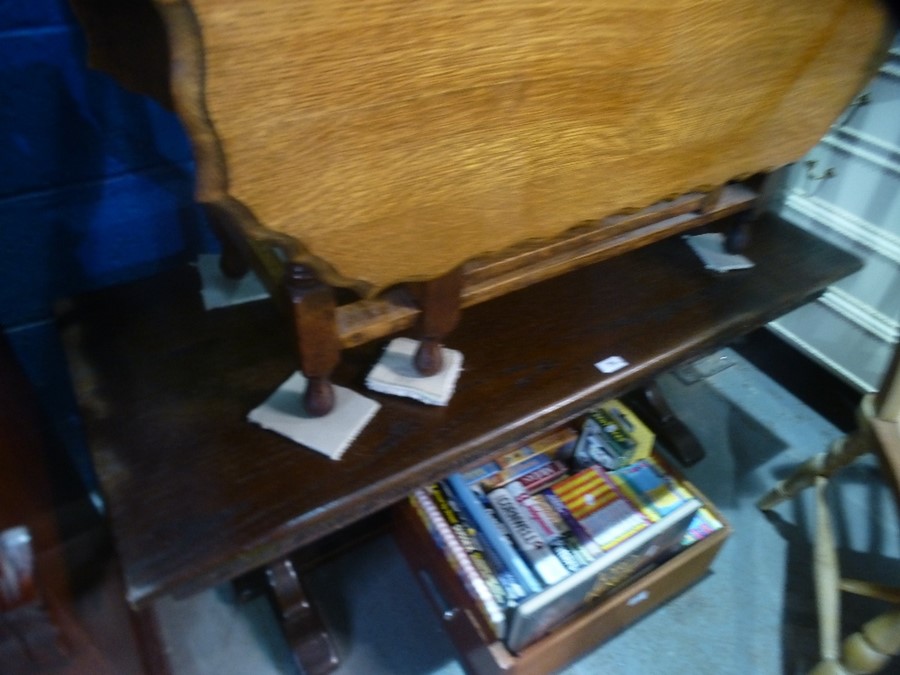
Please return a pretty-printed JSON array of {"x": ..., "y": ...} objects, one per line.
[
  {"x": 651, "y": 406},
  {"x": 737, "y": 233},
  {"x": 317, "y": 339},
  {"x": 312, "y": 647},
  {"x": 232, "y": 261},
  {"x": 439, "y": 300}
]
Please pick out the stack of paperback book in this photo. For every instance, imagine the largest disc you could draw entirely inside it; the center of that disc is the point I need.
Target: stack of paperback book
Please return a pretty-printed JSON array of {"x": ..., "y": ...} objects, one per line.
[{"x": 560, "y": 522}]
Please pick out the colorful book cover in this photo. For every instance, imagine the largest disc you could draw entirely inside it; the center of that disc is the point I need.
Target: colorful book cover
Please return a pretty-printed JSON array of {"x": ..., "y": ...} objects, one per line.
[
  {"x": 539, "y": 478},
  {"x": 554, "y": 442},
  {"x": 613, "y": 436},
  {"x": 515, "y": 471},
  {"x": 584, "y": 538},
  {"x": 455, "y": 555},
  {"x": 705, "y": 523},
  {"x": 479, "y": 473},
  {"x": 468, "y": 538},
  {"x": 598, "y": 505},
  {"x": 491, "y": 536},
  {"x": 654, "y": 492},
  {"x": 514, "y": 591},
  {"x": 549, "y": 444},
  {"x": 527, "y": 537},
  {"x": 546, "y": 526},
  {"x": 543, "y": 611},
  {"x": 562, "y": 527}
]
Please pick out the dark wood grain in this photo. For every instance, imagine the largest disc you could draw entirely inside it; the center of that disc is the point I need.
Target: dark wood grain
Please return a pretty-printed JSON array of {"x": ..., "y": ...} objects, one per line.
[{"x": 197, "y": 495}]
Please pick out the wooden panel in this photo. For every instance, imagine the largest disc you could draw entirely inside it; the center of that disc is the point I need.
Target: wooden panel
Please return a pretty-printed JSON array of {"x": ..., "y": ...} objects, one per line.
[
  {"x": 397, "y": 140},
  {"x": 197, "y": 495}
]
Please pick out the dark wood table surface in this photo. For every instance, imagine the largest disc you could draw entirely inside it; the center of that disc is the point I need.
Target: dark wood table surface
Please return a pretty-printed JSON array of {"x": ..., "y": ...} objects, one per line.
[{"x": 197, "y": 495}]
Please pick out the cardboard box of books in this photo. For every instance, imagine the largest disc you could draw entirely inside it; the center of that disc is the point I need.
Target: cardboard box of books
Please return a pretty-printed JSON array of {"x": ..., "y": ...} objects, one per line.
[{"x": 534, "y": 537}]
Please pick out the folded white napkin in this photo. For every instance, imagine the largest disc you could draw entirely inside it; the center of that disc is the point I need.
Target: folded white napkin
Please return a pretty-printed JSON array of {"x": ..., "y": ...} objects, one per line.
[
  {"x": 710, "y": 248},
  {"x": 396, "y": 374},
  {"x": 330, "y": 434},
  {"x": 217, "y": 290}
]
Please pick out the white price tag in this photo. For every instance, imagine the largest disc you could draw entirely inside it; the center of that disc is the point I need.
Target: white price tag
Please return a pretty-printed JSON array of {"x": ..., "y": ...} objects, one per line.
[
  {"x": 611, "y": 364},
  {"x": 638, "y": 598}
]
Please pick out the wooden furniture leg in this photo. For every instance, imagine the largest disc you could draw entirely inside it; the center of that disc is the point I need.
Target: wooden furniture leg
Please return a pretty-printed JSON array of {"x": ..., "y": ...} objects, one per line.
[
  {"x": 737, "y": 232},
  {"x": 651, "y": 406},
  {"x": 317, "y": 338},
  {"x": 440, "y": 303},
  {"x": 232, "y": 261},
  {"x": 312, "y": 647},
  {"x": 145, "y": 625},
  {"x": 841, "y": 453},
  {"x": 739, "y": 229},
  {"x": 878, "y": 430},
  {"x": 870, "y": 649},
  {"x": 826, "y": 579}
]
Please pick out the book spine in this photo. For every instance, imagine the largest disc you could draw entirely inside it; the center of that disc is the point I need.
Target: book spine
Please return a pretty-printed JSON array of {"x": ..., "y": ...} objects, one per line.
[
  {"x": 571, "y": 558},
  {"x": 543, "y": 476},
  {"x": 636, "y": 497},
  {"x": 556, "y": 442},
  {"x": 600, "y": 507},
  {"x": 515, "y": 591},
  {"x": 515, "y": 471},
  {"x": 563, "y": 530},
  {"x": 481, "y": 472},
  {"x": 484, "y": 521},
  {"x": 703, "y": 525},
  {"x": 459, "y": 561},
  {"x": 584, "y": 537},
  {"x": 527, "y": 537},
  {"x": 469, "y": 540}
]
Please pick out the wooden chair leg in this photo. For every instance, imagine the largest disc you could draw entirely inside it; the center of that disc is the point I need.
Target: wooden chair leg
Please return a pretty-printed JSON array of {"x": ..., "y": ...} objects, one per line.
[
  {"x": 826, "y": 573},
  {"x": 870, "y": 649},
  {"x": 440, "y": 303},
  {"x": 318, "y": 343},
  {"x": 842, "y": 452}
]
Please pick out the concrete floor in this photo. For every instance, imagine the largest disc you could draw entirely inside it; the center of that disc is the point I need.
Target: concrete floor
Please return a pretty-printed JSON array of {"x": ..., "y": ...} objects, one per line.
[{"x": 754, "y": 613}]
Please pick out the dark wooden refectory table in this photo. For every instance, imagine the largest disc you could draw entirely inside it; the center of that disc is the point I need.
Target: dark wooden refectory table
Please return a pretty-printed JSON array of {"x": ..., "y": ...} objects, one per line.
[{"x": 198, "y": 496}]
